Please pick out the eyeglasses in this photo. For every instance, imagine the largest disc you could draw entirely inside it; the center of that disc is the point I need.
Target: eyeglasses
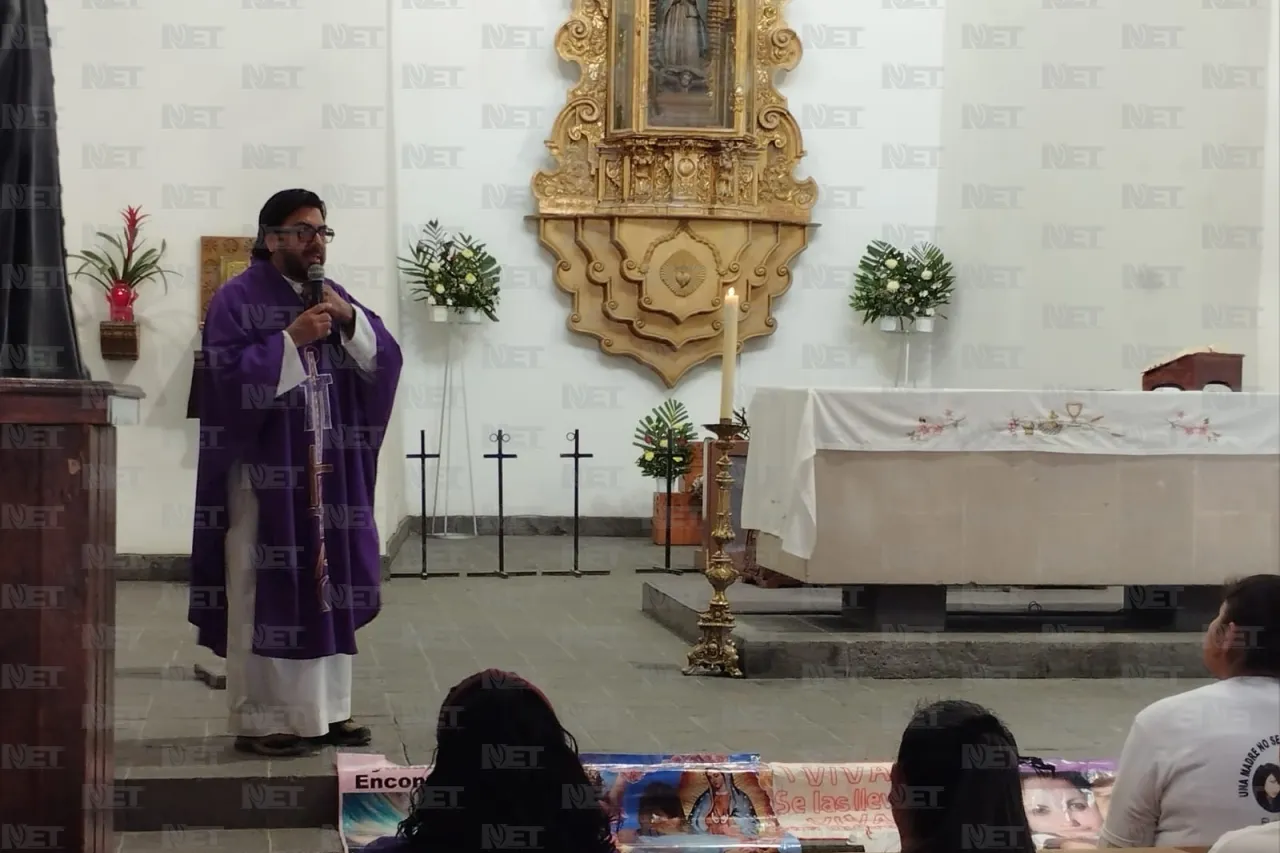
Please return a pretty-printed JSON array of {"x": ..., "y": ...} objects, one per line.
[{"x": 306, "y": 233}]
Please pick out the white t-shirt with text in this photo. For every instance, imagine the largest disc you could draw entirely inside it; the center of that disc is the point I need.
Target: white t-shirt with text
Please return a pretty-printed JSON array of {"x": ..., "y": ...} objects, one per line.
[
  {"x": 1253, "y": 839},
  {"x": 1197, "y": 766}
]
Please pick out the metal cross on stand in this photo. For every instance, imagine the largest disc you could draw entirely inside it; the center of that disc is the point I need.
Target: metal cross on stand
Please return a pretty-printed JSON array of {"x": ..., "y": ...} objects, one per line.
[
  {"x": 668, "y": 455},
  {"x": 422, "y": 456},
  {"x": 500, "y": 438},
  {"x": 577, "y": 456}
]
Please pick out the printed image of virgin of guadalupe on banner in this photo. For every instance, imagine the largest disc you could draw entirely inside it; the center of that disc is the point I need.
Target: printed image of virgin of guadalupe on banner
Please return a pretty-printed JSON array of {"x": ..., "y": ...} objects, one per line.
[{"x": 719, "y": 807}]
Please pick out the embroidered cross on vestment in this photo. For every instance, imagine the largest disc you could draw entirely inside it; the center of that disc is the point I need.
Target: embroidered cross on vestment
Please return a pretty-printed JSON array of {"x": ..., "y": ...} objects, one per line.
[{"x": 319, "y": 422}]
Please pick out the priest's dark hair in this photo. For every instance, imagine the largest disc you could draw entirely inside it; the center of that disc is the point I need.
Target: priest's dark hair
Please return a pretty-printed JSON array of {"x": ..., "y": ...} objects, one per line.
[
  {"x": 957, "y": 783},
  {"x": 1253, "y": 604},
  {"x": 505, "y": 772},
  {"x": 278, "y": 208}
]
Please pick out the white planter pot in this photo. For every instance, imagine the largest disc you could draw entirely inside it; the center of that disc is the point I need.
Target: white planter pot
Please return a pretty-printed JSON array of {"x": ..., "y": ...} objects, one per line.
[
  {"x": 924, "y": 324},
  {"x": 890, "y": 324},
  {"x": 438, "y": 314},
  {"x": 469, "y": 315}
]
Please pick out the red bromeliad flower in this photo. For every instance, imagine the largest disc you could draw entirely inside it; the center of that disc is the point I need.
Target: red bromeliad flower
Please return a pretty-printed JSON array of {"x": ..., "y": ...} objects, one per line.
[
  {"x": 133, "y": 217},
  {"x": 121, "y": 271}
]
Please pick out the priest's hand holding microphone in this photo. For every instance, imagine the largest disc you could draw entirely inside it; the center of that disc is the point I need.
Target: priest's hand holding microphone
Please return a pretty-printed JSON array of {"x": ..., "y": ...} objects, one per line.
[{"x": 323, "y": 307}]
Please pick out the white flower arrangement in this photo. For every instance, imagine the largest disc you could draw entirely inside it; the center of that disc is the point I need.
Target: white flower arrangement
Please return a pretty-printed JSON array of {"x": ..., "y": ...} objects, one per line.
[
  {"x": 455, "y": 272},
  {"x": 906, "y": 285}
]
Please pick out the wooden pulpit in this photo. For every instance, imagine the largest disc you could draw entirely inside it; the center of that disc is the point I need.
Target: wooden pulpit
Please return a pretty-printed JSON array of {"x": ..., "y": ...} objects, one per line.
[
  {"x": 57, "y": 610},
  {"x": 1194, "y": 371}
]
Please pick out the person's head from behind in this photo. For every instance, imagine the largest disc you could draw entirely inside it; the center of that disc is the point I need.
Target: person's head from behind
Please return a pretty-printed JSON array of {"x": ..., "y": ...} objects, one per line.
[
  {"x": 956, "y": 783},
  {"x": 1062, "y": 805},
  {"x": 660, "y": 811},
  {"x": 1245, "y": 637},
  {"x": 292, "y": 232},
  {"x": 505, "y": 771}
]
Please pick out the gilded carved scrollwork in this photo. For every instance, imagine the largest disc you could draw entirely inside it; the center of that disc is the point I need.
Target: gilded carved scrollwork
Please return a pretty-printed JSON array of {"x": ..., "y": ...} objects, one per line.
[{"x": 653, "y": 212}]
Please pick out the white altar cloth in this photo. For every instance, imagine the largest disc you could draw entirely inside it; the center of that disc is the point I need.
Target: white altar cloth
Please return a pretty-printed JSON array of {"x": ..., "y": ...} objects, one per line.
[{"x": 789, "y": 426}]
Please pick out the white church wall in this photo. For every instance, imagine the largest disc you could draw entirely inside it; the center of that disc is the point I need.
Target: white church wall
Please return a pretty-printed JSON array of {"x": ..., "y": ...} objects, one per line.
[
  {"x": 477, "y": 89},
  {"x": 1269, "y": 281},
  {"x": 1101, "y": 187},
  {"x": 198, "y": 112}
]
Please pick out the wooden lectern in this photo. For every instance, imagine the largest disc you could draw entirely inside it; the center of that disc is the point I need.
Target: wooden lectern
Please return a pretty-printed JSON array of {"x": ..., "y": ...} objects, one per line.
[
  {"x": 57, "y": 610},
  {"x": 1195, "y": 370}
]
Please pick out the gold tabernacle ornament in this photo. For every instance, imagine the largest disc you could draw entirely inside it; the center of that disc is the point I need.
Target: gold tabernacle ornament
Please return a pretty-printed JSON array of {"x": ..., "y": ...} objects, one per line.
[
  {"x": 676, "y": 176},
  {"x": 716, "y": 653}
]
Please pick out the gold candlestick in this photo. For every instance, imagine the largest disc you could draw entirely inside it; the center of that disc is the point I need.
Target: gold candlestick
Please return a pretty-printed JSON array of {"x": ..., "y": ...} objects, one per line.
[{"x": 716, "y": 653}]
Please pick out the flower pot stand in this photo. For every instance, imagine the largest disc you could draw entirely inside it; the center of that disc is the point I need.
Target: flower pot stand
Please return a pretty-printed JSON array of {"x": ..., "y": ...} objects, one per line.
[
  {"x": 454, "y": 398},
  {"x": 119, "y": 341},
  {"x": 905, "y": 329}
]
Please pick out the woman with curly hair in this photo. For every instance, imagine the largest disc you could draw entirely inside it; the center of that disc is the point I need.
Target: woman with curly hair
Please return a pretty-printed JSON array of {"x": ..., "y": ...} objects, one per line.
[{"x": 506, "y": 773}]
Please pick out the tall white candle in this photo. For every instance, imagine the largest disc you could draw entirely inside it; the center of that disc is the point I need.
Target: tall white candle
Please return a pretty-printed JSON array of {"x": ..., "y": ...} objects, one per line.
[{"x": 729, "y": 358}]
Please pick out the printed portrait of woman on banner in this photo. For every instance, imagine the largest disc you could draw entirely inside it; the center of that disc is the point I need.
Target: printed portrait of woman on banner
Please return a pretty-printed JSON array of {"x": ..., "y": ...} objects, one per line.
[
  {"x": 370, "y": 815},
  {"x": 1062, "y": 810}
]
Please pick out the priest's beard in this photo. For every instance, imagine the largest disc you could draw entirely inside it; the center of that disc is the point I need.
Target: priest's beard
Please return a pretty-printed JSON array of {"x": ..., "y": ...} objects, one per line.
[{"x": 294, "y": 264}]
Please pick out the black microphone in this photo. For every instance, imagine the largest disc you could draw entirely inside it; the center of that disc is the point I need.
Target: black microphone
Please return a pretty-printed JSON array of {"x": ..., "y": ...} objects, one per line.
[{"x": 315, "y": 285}]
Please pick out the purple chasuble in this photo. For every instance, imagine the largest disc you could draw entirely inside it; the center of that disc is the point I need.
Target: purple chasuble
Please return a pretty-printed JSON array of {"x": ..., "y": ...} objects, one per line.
[{"x": 311, "y": 458}]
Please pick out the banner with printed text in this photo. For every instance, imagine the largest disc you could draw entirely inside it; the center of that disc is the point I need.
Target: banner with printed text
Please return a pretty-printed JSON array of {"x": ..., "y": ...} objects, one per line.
[{"x": 728, "y": 803}]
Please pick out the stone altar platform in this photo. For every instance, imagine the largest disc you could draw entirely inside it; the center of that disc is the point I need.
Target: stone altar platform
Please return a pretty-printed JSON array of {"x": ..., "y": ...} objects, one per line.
[
  {"x": 906, "y": 492},
  {"x": 1020, "y": 634}
]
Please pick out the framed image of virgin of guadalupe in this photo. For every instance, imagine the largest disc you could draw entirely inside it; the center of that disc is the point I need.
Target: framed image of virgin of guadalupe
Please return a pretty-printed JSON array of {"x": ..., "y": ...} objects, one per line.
[
  {"x": 693, "y": 68},
  {"x": 221, "y": 258}
]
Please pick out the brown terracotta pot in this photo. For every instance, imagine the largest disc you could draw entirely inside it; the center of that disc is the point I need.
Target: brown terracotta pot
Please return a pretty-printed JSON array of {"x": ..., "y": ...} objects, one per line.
[{"x": 686, "y": 519}]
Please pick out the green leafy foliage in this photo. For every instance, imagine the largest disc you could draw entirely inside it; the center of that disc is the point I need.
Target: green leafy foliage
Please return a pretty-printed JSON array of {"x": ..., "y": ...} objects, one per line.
[
  {"x": 664, "y": 438},
  {"x": 893, "y": 283},
  {"x": 123, "y": 260},
  {"x": 931, "y": 277},
  {"x": 455, "y": 271}
]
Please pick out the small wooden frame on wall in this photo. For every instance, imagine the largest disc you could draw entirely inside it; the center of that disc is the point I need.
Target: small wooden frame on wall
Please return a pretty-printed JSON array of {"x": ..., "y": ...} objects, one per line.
[{"x": 221, "y": 258}]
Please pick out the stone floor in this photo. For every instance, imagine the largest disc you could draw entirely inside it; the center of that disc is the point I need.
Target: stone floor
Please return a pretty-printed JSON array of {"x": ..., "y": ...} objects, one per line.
[
  {"x": 231, "y": 841},
  {"x": 613, "y": 674}
]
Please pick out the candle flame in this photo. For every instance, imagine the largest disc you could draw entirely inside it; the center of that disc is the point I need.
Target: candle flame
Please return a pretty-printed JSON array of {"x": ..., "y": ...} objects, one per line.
[{"x": 731, "y": 293}]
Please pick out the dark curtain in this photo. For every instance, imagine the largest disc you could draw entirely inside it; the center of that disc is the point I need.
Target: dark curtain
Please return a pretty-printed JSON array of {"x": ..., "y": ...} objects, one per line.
[{"x": 37, "y": 324}]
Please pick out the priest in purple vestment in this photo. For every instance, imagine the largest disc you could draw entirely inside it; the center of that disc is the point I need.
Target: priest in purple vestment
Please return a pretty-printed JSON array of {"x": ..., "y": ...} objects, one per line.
[{"x": 293, "y": 403}]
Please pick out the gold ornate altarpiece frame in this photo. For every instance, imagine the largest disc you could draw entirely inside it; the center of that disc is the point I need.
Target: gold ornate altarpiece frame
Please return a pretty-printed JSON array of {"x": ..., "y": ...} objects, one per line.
[
  {"x": 674, "y": 177},
  {"x": 221, "y": 258}
]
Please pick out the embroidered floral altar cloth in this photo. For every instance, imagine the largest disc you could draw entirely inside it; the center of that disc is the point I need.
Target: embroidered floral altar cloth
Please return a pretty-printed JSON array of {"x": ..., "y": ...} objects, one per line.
[
  {"x": 668, "y": 803},
  {"x": 790, "y": 426}
]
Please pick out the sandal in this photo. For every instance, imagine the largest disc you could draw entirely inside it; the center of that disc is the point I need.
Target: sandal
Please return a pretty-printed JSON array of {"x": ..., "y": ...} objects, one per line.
[{"x": 274, "y": 746}]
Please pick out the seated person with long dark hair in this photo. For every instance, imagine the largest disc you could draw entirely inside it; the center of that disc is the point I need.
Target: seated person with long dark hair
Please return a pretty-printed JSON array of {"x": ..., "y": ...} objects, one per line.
[
  {"x": 506, "y": 773},
  {"x": 956, "y": 784},
  {"x": 1190, "y": 769}
]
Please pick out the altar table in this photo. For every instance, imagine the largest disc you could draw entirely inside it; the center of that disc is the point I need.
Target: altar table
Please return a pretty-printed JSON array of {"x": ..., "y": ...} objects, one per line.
[{"x": 913, "y": 489}]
